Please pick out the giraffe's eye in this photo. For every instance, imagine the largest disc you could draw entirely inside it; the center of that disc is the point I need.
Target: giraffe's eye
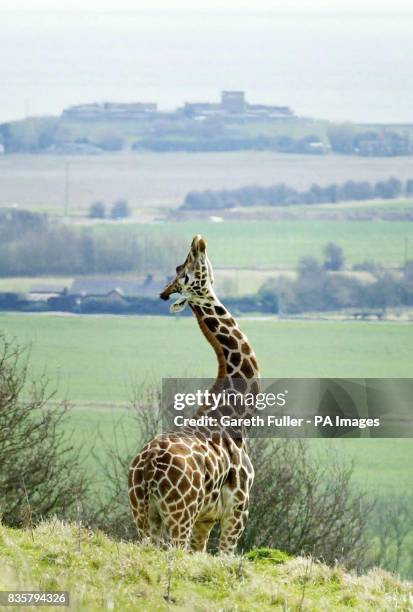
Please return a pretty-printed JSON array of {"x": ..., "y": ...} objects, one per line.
[{"x": 186, "y": 278}]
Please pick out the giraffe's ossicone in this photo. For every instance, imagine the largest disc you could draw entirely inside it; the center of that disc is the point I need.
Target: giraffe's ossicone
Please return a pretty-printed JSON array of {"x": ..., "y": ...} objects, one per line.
[{"x": 182, "y": 483}]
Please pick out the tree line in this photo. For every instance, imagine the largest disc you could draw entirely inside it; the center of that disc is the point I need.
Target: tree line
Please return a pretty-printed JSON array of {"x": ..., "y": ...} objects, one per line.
[
  {"x": 54, "y": 135},
  {"x": 316, "y": 288},
  {"x": 32, "y": 245},
  {"x": 194, "y": 143},
  {"x": 348, "y": 139},
  {"x": 285, "y": 195}
]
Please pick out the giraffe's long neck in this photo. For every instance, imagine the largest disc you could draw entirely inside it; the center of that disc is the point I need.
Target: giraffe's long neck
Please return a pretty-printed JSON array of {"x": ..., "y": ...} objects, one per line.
[{"x": 236, "y": 358}]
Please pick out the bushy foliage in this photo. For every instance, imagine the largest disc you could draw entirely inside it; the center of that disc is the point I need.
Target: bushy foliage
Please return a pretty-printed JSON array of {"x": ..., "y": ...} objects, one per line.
[
  {"x": 40, "y": 472},
  {"x": 120, "y": 210},
  {"x": 16, "y": 223},
  {"x": 110, "y": 140},
  {"x": 97, "y": 210},
  {"x": 284, "y": 195},
  {"x": 32, "y": 135},
  {"x": 46, "y": 248},
  {"x": 344, "y": 138},
  {"x": 196, "y": 138},
  {"x": 341, "y": 137},
  {"x": 318, "y": 288},
  {"x": 392, "y": 533},
  {"x": 38, "y": 134},
  {"x": 303, "y": 503},
  {"x": 334, "y": 258},
  {"x": 110, "y": 511}
]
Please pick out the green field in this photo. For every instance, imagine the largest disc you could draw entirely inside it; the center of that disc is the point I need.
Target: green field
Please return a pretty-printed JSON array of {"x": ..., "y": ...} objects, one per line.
[
  {"x": 397, "y": 204},
  {"x": 266, "y": 244},
  {"x": 95, "y": 361},
  {"x": 97, "y": 358}
]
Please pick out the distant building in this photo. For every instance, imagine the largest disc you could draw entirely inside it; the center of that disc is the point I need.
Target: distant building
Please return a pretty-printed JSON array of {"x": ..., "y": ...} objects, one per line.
[
  {"x": 265, "y": 109},
  {"x": 41, "y": 293},
  {"x": 110, "y": 110},
  {"x": 382, "y": 144},
  {"x": 105, "y": 287},
  {"x": 56, "y": 297},
  {"x": 197, "y": 109},
  {"x": 234, "y": 103}
]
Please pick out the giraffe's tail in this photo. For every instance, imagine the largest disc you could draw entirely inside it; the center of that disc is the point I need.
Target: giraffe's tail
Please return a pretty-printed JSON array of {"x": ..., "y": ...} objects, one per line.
[{"x": 141, "y": 484}]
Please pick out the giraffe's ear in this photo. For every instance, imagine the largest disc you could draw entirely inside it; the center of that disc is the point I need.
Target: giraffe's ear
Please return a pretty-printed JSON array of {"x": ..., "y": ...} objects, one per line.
[{"x": 178, "y": 305}]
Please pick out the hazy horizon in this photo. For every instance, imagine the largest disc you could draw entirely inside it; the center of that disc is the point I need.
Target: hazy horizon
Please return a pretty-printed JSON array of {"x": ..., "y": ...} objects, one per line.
[
  {"x": 371, "y": 7},
  {"x": 335, "y": 66}
]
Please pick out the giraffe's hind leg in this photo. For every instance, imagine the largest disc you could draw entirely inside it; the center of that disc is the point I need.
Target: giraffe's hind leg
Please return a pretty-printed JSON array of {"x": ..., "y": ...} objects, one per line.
[
  {"x": 179, "y": 536},
  {"x": 232, "y": 525},
  {"x": 148, "y": 521},
  {"x": 139, "y": 497},
  {"x": 178, "y": 518},
  {"x": 200, "y": 534},
  {"x": 140, "y": 511}
]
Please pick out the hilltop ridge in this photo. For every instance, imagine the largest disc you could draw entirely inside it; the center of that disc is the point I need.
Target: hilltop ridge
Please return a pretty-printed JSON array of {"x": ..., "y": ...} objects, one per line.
[{"x": 101, "y": 573}]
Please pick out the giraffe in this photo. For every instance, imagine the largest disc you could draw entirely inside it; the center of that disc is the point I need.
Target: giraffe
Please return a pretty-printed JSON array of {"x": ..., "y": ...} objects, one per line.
[{"x": 183, "y": 482}]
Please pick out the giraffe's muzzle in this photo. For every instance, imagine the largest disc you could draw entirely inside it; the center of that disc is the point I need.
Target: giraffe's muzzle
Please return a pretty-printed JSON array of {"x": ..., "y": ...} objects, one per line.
[{"x": 169, "y": 290}]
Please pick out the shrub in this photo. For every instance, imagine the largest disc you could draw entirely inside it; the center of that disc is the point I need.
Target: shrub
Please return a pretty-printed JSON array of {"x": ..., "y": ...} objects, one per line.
[
  {"x": 15, "y": 223},
  {"x": 341, "y": 137},
  {"x": 40, "y": 472},
  {"x": 333, "y": 256},
  {"x": 97, "y": 210},
  {"x": 64, "y": 250},
  {"x": 110, "y": 141},
  {"x": 271, "y": 555},
  {"x": 120, "y": 210},
  {"x": 110, "y": 510},
  {"x": 302, "y": 503},
  {"x": 389, "y": 189},
  {"x": 392, "y": 532}
]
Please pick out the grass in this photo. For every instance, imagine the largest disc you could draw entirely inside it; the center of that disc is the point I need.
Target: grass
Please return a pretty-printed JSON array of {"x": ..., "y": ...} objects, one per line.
[
  {"x": 272, "y": 244},
  {"x": 100, "y": 573}
]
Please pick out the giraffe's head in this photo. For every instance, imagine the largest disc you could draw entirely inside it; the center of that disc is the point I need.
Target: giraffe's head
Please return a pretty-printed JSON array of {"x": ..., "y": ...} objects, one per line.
[{"x": 194, "y": 278}]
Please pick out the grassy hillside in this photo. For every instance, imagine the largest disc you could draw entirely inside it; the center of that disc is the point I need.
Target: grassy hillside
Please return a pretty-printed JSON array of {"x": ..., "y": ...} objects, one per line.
[{"x": 101, "y": 574}]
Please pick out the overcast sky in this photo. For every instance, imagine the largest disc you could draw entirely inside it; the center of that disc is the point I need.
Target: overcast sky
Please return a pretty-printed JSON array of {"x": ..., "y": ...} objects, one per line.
[{"x": 325, "y": 6}]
